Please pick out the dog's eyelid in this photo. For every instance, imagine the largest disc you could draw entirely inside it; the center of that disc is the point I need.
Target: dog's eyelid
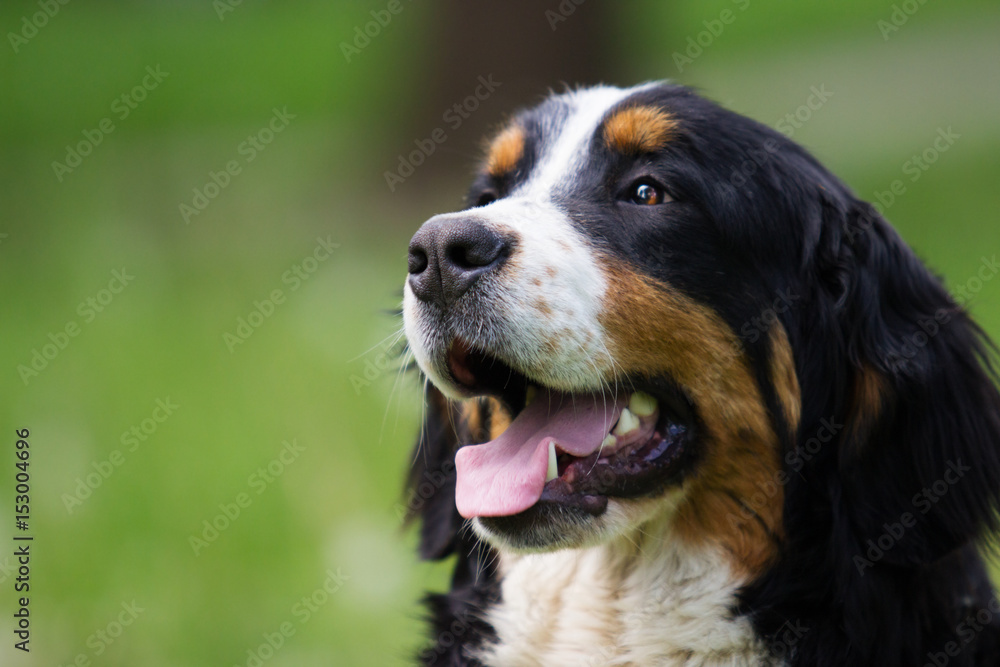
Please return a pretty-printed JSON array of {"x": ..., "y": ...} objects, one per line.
[
  {"x": 485, "y": 197},
  {"x": 661, "y": 195}
]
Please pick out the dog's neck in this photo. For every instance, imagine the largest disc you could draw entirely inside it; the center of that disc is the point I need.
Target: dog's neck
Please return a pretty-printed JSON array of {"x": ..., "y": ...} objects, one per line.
[{"x": 646, "y": 599}]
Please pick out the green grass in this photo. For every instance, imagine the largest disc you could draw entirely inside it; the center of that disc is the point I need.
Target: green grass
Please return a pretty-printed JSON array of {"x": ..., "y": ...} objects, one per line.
[{"x": 335, "y": 506}]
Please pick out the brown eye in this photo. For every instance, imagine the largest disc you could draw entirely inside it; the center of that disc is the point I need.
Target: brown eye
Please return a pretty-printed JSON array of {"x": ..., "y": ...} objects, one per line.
[{"x": 646, "y": 194}]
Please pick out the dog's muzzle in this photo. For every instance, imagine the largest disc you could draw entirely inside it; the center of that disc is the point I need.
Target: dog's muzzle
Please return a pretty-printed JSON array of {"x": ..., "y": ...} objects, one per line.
[{"x": 448, "y": 255}]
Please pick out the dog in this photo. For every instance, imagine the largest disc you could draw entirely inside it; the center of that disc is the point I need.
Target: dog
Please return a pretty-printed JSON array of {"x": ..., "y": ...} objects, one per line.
[{"x": 691, "y": 402}]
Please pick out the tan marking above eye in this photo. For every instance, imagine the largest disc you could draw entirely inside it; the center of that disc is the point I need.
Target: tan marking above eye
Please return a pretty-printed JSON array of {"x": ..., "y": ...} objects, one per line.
[
  {"x": 639, "y": 129},
  {"x": 505, "y": 151}
]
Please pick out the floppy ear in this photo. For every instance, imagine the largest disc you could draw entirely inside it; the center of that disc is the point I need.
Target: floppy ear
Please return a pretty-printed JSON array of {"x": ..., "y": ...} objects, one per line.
[
  {"x": 431, "y": 483},
  {"x": 431, "y": 487},
  {"x": 920, "y": 456},
  {"x": 447, "y": 426}
]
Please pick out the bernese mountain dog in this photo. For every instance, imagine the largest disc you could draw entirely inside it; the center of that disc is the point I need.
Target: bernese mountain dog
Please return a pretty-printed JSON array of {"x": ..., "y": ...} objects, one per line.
[{"x": 691, "y": 402}]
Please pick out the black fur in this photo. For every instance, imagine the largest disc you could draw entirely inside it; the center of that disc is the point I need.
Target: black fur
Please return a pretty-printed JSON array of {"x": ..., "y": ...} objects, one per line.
[
  {"x": 756, "y": 215},
  {"x": 868, "y": 304},
  {"x": 455, "y": 618}
]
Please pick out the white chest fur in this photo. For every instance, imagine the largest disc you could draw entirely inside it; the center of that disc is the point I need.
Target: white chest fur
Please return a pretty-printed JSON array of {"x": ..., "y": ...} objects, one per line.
[{"x": 655, "y": 603}]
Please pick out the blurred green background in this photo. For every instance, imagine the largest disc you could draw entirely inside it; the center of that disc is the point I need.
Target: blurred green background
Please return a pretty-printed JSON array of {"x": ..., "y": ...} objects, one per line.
[{"x": 894, "y": 74}]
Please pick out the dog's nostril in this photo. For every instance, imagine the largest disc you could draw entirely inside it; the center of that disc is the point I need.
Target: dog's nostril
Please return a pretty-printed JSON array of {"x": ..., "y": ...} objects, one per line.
[
  {"x": 417, "y": 261},
  {"x": 446, "y": 256},
  {"x": 472, "y": 246},
  {"x": 468, "y": 256}
]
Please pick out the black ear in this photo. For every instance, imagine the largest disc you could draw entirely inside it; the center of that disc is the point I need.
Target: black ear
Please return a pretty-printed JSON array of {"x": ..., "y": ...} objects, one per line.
[
  {"x": 919, "y": 458},
  {"x": 447, "y": 426},
  {"x": 431, "y": 483},
  {"x": 431, "y": 487}
]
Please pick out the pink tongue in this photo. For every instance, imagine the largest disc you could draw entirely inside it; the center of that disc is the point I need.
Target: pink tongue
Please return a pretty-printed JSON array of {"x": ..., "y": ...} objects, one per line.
[{"x": 505, "y": 476}]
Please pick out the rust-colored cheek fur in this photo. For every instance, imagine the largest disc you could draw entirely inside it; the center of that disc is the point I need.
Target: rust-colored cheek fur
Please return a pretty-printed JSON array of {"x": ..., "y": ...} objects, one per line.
[
  {"x": 783, "y": 378},
  {"x": 482, "y": 419},
  {"x": 637, "y": 130},
  {"x": 733, "y": 497},
  {"x": 871, "y": 394}
]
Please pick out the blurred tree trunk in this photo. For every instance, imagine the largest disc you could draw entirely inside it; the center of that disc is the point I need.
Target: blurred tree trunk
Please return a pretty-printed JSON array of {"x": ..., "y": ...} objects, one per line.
[{"x": 525, "y": 46}]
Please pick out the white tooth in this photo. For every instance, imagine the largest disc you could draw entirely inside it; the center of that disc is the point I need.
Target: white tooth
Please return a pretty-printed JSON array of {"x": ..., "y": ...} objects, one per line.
[
  {"x": 529, "y": 394},
  {"x": 627, "y": 423},
  {"x": 642, "y": 404},
  {"x": 610, "y": 442},
  {"x": 553, "y": 464}
]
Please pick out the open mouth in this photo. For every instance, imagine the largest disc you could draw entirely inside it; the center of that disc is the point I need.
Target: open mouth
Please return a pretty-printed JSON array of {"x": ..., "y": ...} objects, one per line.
[{"x": 567, "y": 449}]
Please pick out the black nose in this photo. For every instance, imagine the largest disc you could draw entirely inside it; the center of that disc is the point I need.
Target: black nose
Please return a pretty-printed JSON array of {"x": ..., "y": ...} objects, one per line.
[{"x": 448, "y": 255}]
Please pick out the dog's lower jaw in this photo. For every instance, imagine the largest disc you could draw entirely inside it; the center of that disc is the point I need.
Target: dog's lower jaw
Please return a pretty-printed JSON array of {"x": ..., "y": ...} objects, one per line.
[{"x": 644, "y": 600}]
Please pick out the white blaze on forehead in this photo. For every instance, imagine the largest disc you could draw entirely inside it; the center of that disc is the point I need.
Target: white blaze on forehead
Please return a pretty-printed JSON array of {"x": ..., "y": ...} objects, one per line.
[
  {"x": 541, "y": 310},
  {"x": 565, "y": 154},
  {"x": 554, "y": 290}
]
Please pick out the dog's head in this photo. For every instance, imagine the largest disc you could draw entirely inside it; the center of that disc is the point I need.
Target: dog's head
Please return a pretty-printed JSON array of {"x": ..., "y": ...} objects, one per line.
[{"x": 654, "y": 308}]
